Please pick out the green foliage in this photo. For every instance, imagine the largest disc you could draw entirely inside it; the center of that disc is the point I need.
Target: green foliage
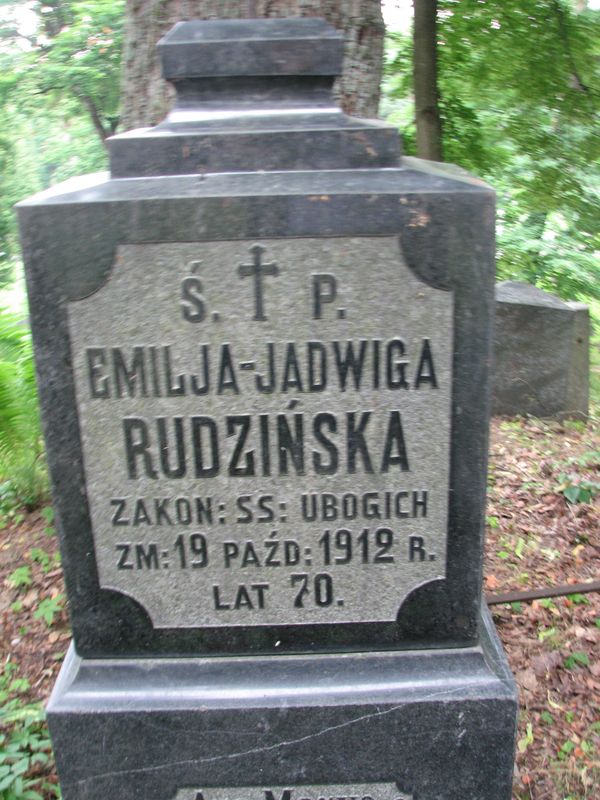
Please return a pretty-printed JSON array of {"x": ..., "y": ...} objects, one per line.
[
  {"x": 527, "y": 740},
  {"x": 589, "y": 459},
  {"x": 519, "y": 86},
  {"x": 20, "y": 577},
  {"x": 48, "y": 514},
  {"x": 579, "y": 599},
  {"x": 59, "y": 92},
  {"x": 42, "y": 558},
  {"x": 72, "y": 58},
  {"x": 25, "y": 751},
  {"x": 577, "y": 489},
  {"x": 577, "y": 659},
  {"x": 49, "y": 608},
  {"x": 23, "y": 478}
]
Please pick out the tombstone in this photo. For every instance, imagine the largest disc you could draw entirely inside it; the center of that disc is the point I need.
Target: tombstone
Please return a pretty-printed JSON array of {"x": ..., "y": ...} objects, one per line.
[
  {"x": 541, "y": 354},
  {"x": 263, "y": 346}
]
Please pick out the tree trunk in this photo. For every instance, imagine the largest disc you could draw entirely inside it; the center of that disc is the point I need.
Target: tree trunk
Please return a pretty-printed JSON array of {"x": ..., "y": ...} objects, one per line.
[
  {"x": 146, "y": 98},
  {"x": 429, "y": 126}
]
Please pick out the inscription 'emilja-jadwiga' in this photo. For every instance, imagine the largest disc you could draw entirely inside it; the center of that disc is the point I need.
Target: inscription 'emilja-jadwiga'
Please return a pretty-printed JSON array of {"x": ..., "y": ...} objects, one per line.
[{"x": 269, "y": 439}]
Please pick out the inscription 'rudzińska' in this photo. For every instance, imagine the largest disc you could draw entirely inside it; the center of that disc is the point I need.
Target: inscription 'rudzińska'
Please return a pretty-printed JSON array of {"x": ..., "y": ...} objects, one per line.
[{"x": 265, "y": 429}]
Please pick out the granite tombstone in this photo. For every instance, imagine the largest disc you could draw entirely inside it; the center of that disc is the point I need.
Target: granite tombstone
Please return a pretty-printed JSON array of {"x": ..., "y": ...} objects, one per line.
[{"x": 263, "y": 352}]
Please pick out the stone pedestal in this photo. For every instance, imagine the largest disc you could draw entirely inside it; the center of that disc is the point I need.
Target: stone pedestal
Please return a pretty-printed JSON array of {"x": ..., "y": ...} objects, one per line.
[{"x": 424, "y": 725}]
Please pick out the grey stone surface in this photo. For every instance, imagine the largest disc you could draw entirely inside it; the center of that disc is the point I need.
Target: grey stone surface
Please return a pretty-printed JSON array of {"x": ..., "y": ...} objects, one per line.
[
  {"x": 356, "y": 791},
  {"x": 439, "y": 725},
  {"x": 541, "y": 354},
  {"x": 257, "y": 532}
]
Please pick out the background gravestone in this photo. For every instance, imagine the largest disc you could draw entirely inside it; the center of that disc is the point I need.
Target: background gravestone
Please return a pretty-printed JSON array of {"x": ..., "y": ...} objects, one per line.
[
  {"x": 263, "y": 347},
  {"x": 541, "y": 353}
]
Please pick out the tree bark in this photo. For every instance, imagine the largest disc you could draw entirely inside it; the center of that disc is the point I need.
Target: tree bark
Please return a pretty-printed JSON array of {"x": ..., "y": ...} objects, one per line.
[
  {"x": 429, "y": 126},
  {"x": 146, "y": 98},
  {"x": 88, "y": 103}
]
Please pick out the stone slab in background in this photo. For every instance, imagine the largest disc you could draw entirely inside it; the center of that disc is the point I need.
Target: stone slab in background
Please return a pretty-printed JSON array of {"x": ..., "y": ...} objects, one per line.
[{"x": 541, "y": 354}]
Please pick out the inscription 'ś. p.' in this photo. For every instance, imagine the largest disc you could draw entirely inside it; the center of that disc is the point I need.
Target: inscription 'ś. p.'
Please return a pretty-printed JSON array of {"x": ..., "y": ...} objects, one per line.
[{"x": 272, "y": 442}]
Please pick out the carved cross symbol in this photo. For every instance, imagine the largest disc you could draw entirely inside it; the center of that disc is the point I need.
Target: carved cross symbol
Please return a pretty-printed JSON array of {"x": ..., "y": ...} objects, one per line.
[{"x": 257, "y": 270}]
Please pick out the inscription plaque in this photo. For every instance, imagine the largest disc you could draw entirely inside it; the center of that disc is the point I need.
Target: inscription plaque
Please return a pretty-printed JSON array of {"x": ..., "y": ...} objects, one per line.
[
  {"x": 265, "y": 429},
  {"x": 363, "y": 791}
]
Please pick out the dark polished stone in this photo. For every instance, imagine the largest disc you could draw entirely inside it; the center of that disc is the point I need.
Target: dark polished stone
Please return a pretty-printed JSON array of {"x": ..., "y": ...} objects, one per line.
[{"x": 439, "y": 726}]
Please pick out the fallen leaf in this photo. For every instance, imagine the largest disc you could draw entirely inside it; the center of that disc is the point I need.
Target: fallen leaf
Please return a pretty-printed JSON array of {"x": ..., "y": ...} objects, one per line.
[
  {"x": 546, "y": 662},
  {"x": 491, "y": 582},
  {"x": 30, "y": 598},
  {"x": 527, "y": 680}
]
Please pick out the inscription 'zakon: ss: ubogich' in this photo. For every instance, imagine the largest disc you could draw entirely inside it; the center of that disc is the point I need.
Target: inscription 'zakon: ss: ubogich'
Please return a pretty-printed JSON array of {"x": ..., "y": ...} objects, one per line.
[{"x": 269, "y": 441}]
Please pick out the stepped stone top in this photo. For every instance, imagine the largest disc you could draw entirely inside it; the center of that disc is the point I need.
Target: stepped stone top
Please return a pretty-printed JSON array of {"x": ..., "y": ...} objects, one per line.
[
  {"x": 261, "y": 47},
  {"x": 253, "y": 95}
]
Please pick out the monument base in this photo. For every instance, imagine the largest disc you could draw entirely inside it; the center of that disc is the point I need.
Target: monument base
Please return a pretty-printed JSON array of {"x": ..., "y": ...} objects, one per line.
[{"x": 424, "y": 725}]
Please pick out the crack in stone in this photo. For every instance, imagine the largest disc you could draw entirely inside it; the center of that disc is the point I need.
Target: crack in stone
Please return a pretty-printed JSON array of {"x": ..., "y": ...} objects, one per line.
[{"x": 257, "y": 750}]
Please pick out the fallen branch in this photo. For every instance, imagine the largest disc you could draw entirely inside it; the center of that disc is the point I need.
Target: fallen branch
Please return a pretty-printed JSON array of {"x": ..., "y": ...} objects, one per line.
[{"x": 541, "y": 594}]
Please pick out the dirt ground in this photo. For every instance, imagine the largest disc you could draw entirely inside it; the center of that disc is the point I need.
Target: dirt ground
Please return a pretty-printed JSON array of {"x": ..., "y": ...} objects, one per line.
[{"x": 536, "y": 538}]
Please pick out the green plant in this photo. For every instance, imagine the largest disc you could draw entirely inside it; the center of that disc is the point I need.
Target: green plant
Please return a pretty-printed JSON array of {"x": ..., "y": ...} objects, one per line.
[
  {"x": 48, "y": 608},
  {"x": 9, "y": 505},
  {"x": 41, "y": 557},
  {"x": 532, "y": 138},
  {"x": 21, "y": 576},
  {"x": 545, "y": 633},
  {"x": 576, "y": 659},
  {"x": 48, "y": 514},
  {"x": 579, "y": 599},
  {"x": 25, "y": 750},
  {"x": 578, "y": 490},
  {"x": 526, "y": 740},
  {"x": 566, "y": 749},
  {"x": 589, "y": 459},
  {"x": 23, "y": 478}
]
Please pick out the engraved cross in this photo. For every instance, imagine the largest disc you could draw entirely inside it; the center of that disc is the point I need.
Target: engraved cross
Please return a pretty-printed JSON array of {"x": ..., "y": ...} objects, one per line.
[{"x": 257, "y": 270}]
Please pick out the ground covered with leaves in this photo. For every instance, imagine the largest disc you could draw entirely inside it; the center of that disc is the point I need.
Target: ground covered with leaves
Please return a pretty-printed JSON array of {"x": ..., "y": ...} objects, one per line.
[{"x": 543, "y": 531}]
